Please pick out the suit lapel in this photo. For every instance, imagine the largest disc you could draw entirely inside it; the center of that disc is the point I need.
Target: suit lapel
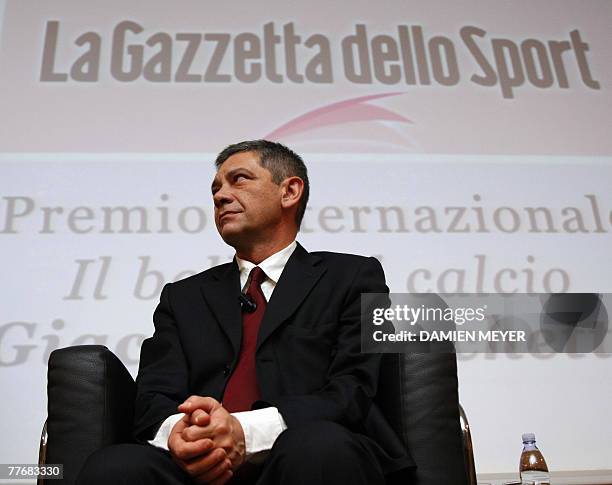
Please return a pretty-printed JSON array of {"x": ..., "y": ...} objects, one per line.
[
  {"x": 221, "y": 293},
  {"x": 297, "y": 279}
]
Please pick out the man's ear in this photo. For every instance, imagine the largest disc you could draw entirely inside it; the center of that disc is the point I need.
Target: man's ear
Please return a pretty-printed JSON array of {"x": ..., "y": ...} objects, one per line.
[{"x": 291, "y": 191}]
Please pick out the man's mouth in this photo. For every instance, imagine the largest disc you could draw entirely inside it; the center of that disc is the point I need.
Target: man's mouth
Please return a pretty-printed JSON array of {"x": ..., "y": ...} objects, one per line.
[{"x": 226, "y": 213}]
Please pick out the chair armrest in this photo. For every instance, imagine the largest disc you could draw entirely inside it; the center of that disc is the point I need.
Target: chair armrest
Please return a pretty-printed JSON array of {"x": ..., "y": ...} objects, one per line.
[
  {"x": 468, "y": 450},
  {"x": 42, "y": 452},
  {"x": 90, "y": 405}
]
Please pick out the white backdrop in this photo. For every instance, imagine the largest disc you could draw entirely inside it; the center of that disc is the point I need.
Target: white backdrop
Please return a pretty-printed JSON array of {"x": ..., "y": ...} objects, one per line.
[{"x": 105, "y": 183}]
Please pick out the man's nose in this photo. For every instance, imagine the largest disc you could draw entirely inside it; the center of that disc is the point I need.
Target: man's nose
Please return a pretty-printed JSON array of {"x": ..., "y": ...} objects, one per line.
[{"x": 222, "y": 196}]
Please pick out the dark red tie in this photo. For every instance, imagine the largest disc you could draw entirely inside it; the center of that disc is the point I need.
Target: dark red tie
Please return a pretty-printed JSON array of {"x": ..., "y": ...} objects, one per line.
[{"x": 242, "y": 388}]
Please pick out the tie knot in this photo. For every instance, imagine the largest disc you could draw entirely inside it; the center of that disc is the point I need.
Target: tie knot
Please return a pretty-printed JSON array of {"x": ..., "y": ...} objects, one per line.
[{"x": 257, "y": 275}]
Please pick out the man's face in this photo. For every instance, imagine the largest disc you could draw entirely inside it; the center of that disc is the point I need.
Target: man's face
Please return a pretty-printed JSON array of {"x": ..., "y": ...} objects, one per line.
[{"x": 247, "y": 201}]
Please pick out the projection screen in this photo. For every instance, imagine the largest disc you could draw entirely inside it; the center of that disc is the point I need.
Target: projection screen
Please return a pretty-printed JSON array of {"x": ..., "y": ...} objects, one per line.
[{"x": 464, "y": 144}]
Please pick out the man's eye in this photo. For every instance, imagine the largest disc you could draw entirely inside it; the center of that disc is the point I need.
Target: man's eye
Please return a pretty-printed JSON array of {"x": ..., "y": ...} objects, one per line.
[{"x": 239, "y": 177}]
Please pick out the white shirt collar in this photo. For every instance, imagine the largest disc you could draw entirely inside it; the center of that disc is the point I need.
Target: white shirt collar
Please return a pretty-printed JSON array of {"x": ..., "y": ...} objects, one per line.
[{"x": 273, "y": 265}]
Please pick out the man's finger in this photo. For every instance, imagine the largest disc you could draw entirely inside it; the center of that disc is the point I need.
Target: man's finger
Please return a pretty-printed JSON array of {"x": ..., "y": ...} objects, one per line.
[
  {"x": 200, "y": 417},
  {"x": 200, "y": 465},
  {"x": 215, "y": 472},
  {"x": 223, "y": 478},
  {"x": 188, "y": 450},
  {"x": 195, "y": 433},
  {"x": 205, "y": 403}
]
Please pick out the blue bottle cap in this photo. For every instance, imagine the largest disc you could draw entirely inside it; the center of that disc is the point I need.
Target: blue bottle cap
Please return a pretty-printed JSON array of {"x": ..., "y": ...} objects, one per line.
[{"x": 528, "y": 437}]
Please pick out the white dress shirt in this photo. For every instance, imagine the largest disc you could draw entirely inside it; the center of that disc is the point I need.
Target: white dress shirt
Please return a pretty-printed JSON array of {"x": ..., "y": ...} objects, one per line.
[{"x": 262, "y": 426}]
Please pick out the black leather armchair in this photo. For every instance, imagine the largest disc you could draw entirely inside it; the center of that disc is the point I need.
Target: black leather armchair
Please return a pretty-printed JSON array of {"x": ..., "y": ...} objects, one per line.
[{"x": 91, "y": 395}]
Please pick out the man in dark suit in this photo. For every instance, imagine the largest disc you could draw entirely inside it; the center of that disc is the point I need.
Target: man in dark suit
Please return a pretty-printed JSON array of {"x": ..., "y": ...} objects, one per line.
[{"x": 254, "y": 372}]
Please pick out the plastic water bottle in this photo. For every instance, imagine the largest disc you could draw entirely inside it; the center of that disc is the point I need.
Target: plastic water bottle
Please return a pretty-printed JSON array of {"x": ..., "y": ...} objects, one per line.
[{"x": 533, "y": 467}]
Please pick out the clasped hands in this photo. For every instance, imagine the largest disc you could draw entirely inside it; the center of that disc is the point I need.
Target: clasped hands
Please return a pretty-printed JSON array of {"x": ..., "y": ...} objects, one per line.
[{"x": 208, "y": 442}]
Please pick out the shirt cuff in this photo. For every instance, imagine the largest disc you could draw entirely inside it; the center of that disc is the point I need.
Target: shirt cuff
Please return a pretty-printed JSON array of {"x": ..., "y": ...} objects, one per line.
[
  {"x": 163, "y": 433},
  {"x": 261, "y": 428}
]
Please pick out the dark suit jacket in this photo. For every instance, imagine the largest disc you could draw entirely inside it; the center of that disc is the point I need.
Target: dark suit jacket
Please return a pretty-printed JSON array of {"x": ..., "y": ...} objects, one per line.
[{"x": 308, "y": 359}]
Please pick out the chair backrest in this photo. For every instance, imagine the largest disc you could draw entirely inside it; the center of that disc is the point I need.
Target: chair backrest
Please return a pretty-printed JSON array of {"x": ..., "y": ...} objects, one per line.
[
  {"x": 418, "y": 393},
  {"x": 88, "y": 389}
]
